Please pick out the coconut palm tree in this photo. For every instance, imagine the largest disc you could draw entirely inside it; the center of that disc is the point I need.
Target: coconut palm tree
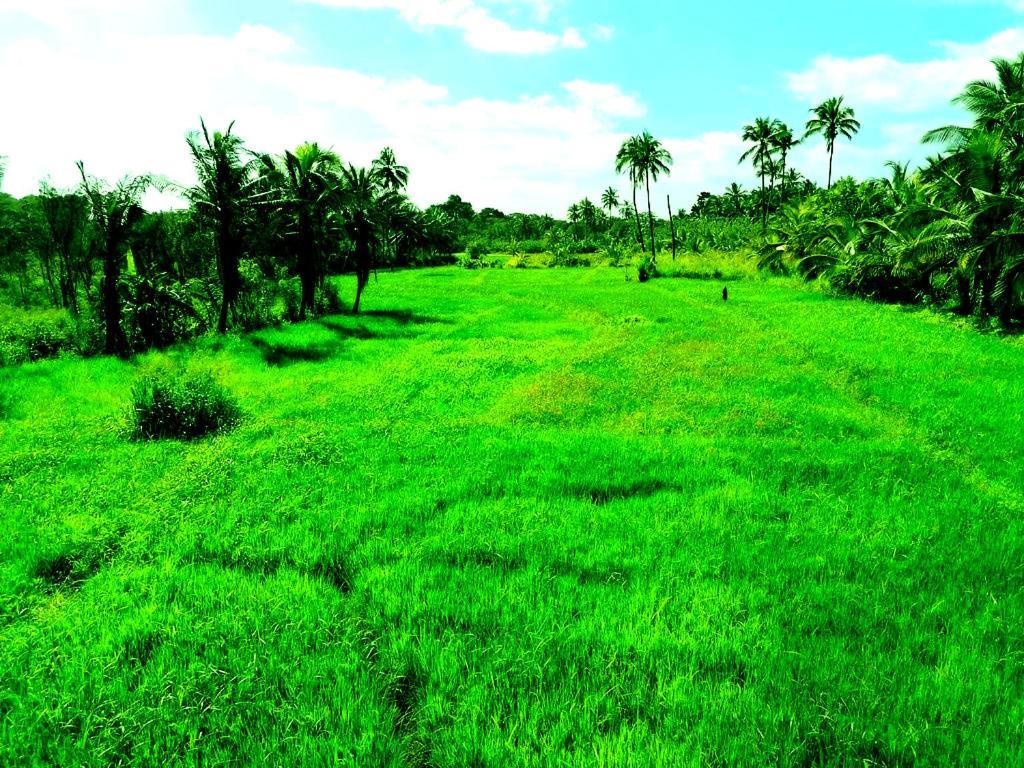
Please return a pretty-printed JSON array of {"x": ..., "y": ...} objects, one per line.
[
  {"x": 388, "y": 173},
  {"x": 588, "y": 214},
  {"x": 364, "y": 205},
  {"x": 224, "y": 196},
  {"x": 783, "y": 142},
  {"x": 647, "y": 160},
  {"x": 625, "y": 162},
  {"x": 760, "y": 134},
  {"x": 831, "y": 120},
  {"x": 735, "y": 195},
  {"x": 308, "y": 182},
  {"x": 114, "y": 212},
  {"x": 574, "y": 216},
  {"x": 610, "y": 200}
]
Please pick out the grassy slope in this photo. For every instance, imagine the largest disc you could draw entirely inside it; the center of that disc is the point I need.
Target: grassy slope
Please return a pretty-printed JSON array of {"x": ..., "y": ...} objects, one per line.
[{"x": 529, "y": 519}]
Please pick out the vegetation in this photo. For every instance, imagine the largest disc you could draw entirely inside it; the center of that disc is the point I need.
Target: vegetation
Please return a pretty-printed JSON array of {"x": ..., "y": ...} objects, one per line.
[
  {"x": 177, "y": 404},
  {"x": 507, "y": 510},
  {"x": 528, "y": 518}
]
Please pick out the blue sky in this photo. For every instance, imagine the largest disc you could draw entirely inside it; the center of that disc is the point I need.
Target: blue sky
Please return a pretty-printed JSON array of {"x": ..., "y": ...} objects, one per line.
[{"x": 514, "y": 103}]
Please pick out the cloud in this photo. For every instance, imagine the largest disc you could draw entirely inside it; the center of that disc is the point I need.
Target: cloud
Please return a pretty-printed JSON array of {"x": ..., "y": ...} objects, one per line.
[
  {"x": 905, "y": 86},
  {"x": 481, "y": 29},
  {"x": 123, "y": 102}
]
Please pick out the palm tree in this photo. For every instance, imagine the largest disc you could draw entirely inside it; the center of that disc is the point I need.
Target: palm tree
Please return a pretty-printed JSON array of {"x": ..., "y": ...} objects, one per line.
[
  {"x": 831, "y": 120},
  {"x": 648, "y": 159},
  {"x": 610, "y": 200},
  {"x": 388, "y": 173},
  {"x": 761, "y": 135},
  {"x": 574, "y": 215},
  {"x": 114, "y": 213},
  {"x": 312, "y": 192},
  {"x": 223, "y": 196},
  {"x": 3, "y": 169},
  {"x": 363, "y": 202},
  {"x": 783, "y": 142},
  {"x": 735, "y": 195},
  {"x": 625, "y": 162},
  {"x": 588, "y": 214}
]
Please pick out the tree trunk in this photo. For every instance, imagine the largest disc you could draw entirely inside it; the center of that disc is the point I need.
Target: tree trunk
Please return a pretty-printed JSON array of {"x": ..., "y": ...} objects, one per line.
[
  {"x": 639, "y": 226},
  {"x": 116, "y": 343},
  {"x": 363, "y": 267},
  {"x": 782, "y": 185},
  {"x": 764, "y": 204},
  {"x": 831, "y": 157},
  {"x": 650, "y": 221},
  {"x": 672, "y": 225}
]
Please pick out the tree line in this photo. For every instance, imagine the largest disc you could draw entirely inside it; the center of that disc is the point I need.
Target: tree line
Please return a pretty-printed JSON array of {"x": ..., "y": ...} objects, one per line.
[{"x": 255, "y": 222}]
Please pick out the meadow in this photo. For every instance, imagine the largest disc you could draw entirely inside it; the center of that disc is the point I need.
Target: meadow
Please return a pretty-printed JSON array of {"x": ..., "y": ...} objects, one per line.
[{"x": 527, "y": 518}]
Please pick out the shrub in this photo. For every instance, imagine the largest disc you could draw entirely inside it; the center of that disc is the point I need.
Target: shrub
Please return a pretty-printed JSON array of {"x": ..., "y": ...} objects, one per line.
[
  {"x": 328, "y": 299},
  {"x": 532, "y": 247},
  {"x": 158, "y": 312},
  {"x": 30, "y": 335},
  {"x": 182, "y": 405},
  {"x": 645, "y": 269},
  {"x": 291, "y": 298},
  {"x": 616, "y": 254},
  {"x": 257, "y": 302}
]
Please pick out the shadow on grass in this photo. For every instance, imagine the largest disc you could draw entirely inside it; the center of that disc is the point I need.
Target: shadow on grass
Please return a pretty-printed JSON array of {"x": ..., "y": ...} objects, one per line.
[
  {"x": 401, "y": 317},
  {"x": 279, "y": 354}
]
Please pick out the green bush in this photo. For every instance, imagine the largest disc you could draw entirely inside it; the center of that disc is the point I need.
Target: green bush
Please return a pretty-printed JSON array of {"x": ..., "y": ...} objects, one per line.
[
  {"x": 181, "y": 405},
  {"x": 328, "y": 299},
  {"x": 291, "y": 298},
  {"x": 30, "y": 335},
  {"x": 646, "y": 269},
  {"x": 257, "y": 302},
  {"x": 159, "y": 311}
]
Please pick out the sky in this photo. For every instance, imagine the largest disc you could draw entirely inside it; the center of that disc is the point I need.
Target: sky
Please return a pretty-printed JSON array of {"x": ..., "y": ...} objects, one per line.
[{"x": 516, "y": 104}]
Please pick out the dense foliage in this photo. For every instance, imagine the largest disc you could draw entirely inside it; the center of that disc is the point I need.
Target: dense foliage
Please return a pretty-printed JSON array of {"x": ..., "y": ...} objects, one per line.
[{"x": 129, "y": 280}]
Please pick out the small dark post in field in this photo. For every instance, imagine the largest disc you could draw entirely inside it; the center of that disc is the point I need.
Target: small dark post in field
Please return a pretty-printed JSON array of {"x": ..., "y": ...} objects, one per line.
[
  {"x": 672, "y": 224},
  {"x": 725, "y": 293}
]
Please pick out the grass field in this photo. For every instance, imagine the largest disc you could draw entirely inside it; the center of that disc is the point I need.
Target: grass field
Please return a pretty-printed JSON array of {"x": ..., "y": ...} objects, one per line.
[{"x": 528, "y": 518}]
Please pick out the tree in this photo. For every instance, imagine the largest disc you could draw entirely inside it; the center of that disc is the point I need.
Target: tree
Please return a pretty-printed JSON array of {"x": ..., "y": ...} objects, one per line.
[
  {"x": 114, "y": 213},
  {"x": 388, "y": 173},
  {"x": 761, "y": 136},
  {"x": 610, "y": 200},
  {"x": 783, "y": 142},
  {"x": 362, "y": 201},
  {"x": 573, "y": 216},
  {"x": 626, "y": 162},
  {"x": 831, "y": 120},
  {"x": 67, "y": 219},
  {"x": 736, "y": 196},
  {"x": 588, "y": 215},
  {"x": 648, "y": 160},
  {"x": 223, "y": 197},
  {"x": 311, "y": 181}
]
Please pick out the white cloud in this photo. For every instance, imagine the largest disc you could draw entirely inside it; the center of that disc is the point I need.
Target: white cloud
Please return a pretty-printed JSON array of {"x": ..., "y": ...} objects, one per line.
[
  {"x": 480, "y": 27},
  {"x": 122, "y": 102},
  {"x": 905, "y": 86}
]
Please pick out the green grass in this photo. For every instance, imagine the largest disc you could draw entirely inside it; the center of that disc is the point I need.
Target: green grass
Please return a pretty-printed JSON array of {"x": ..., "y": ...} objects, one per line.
[{"x": 528, "y": 518}]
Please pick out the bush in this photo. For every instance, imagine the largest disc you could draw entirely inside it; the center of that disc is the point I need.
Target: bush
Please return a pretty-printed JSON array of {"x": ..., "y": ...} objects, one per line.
[
  {"x": 291, "y": 298},
  {"x": 158, "y": 312},
  {"x": 328, "y": 299},
  {"x": 181, "y": 405},
  {"x": 645, "y": 269},
  {"x": 257, "y": 302},
  {"x": 27, "y": 335},
  {"x": 616, "y": 254}
]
